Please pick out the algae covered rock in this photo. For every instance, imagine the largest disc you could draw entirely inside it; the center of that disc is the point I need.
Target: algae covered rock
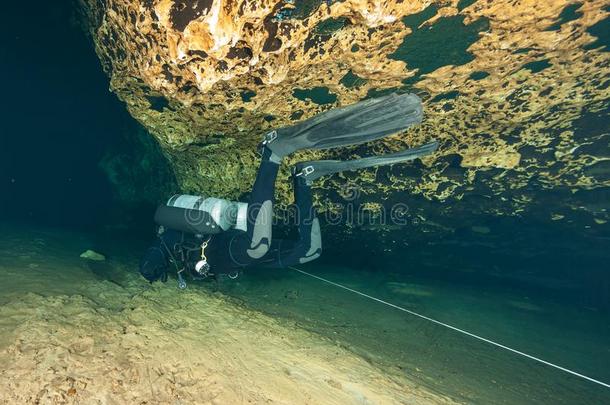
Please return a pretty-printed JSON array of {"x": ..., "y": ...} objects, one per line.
[{"x": 514, "y": 93}]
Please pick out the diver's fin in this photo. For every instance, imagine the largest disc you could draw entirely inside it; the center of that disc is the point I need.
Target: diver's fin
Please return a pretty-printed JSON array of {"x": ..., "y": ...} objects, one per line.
[
  {"x": 357, "y": 123},
  {"x": 315, "y": 169}
]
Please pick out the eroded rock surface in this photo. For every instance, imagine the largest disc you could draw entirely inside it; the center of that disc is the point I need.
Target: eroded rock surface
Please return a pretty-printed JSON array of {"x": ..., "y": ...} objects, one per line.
[{"x": 516, "y": 93}]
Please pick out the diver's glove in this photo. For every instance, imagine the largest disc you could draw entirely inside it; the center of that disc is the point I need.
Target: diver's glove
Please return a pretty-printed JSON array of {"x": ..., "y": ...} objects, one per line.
[{"x": 153, "y": 265}]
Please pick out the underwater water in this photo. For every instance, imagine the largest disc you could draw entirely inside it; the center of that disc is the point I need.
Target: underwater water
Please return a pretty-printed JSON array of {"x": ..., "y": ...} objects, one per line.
[{"x": 389, "y": 314}]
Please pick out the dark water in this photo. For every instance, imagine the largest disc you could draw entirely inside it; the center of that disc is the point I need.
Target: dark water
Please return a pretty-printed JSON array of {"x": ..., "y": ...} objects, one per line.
[
  {"x": 59, "y": 122},
  {"x": 544, "y": 291}
]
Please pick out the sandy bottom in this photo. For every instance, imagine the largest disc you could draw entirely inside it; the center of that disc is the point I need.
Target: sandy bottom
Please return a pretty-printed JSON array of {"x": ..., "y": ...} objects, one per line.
[
  {"x": 536, "y": 322},
  {"x": 79, "y": 332}
]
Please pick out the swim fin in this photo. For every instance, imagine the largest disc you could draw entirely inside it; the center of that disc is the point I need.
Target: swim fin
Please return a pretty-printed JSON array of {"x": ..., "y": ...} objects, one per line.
[
  {"x": 313, "y": 170},
  {"x": 351, "y": 125}
]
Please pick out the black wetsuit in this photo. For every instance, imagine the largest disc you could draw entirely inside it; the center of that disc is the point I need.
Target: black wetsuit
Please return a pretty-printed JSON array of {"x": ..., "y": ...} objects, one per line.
[{"x": 235, "y": 249}]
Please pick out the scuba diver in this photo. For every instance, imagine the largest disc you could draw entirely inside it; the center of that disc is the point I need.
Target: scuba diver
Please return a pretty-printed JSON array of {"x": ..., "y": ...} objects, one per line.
[{"x": 205, "y": 236}]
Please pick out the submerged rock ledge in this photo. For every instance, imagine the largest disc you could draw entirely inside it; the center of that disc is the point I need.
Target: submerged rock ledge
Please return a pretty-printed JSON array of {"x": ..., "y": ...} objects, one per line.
[{"x": 517, "y": 93}]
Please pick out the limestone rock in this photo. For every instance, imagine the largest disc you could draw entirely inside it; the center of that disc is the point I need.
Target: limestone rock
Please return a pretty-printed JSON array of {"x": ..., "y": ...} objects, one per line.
[
  {"x": 517, "y": 93},
  {"x": 94, "y": 256}
]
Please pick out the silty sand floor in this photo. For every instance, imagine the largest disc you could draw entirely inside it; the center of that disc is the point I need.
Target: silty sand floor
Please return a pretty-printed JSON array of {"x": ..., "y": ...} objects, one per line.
[{"x": 79, "y": 332}]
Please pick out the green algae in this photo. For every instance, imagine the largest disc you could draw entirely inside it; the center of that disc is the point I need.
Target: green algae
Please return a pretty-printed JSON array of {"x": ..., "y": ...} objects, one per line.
[
  {"x": 444, "y": 43},
  {"x": 319, "y": 95},
  {"x": 330, "y": 25},
  {"x": 304, "y": 9},
  {"x": 373, "y": 93},
  {"x": 522, "y": 50},
  {"x": 296, "y": 115},
  {"x": 478, "y": 75},
  {"x": 599, "y": 170},
  {"x": 600, "y": 30},
  {"x": 537, "y": 66},
  {"x": 462, "y": 4},
  {"x": 247, "y": 95},
  {"x": 451, "y": 95},
  {"x": 351, "y": 80},
  {"x": 413, "y": 21},
  {"x": 569, "y": 13},
  {"x": 157, "y": 103}
]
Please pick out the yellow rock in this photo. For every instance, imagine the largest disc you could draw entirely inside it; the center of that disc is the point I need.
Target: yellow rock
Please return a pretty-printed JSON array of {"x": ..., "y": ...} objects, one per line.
[{"x": 521, "y": 77}]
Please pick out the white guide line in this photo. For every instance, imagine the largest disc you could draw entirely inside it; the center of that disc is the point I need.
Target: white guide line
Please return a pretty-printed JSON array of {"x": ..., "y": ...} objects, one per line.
[{"x": 455, "y": 329}]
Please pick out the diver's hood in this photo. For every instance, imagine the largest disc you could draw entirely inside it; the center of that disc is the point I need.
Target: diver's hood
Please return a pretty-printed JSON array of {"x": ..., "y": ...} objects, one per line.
[{"x": 202, "y": 215}]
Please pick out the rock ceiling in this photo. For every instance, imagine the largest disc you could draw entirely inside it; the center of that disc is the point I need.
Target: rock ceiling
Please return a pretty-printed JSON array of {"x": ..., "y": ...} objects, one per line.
[{"x": 515, "y": 91}]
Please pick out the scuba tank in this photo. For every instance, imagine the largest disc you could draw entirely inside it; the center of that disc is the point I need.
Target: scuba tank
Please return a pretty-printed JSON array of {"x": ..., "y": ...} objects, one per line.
[{"x": 199, "y": 215}]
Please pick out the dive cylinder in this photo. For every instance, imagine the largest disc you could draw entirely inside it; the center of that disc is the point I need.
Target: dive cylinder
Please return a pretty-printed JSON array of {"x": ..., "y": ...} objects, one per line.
[{"x": 202, "y": 215}]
